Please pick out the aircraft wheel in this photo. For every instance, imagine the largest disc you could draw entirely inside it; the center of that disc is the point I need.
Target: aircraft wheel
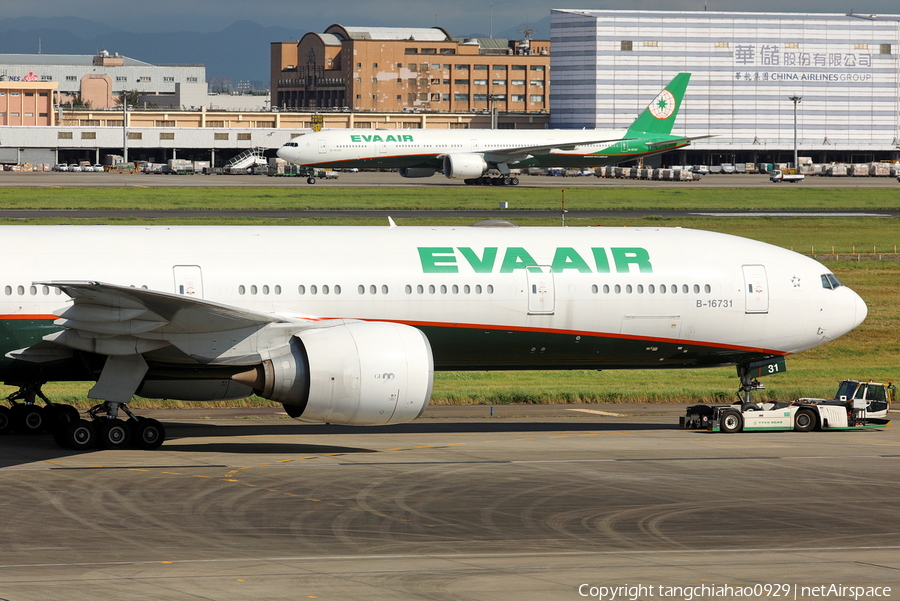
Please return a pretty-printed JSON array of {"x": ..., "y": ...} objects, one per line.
[
  {"x": 514, "y": 181},
  {"x": 804, "y": 420},
  {"x": 497, "y": 181},
  {"x": 112, "y": 433},
  {"x": 66, "y": 414},
  {"x": 469, "y": 181},
  {"x": 310, "y": 180},
  {"x": 149, "y": 434},
  {"x": 80, "y": 435},
  {"x": 5, "y": 420},
  {"x": 485, "y": 181},
  {"x": 27, "y": 419},
  {"x": 57, "y": 416},
  {"x": 731, "y": 421}
]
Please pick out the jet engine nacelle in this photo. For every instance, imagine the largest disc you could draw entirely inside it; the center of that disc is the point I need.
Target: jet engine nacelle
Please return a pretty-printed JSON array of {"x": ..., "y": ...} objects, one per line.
[
  {"x": 360, "y": 373},
  {"x": 464, "y": 166},
  {"x": 416, "y": 171}
]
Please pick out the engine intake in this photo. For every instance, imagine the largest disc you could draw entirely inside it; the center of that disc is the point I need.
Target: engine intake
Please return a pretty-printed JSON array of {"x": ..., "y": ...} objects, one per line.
[
  {"x": 360, "y": 373},
  {"x": 464, "y": 166}
]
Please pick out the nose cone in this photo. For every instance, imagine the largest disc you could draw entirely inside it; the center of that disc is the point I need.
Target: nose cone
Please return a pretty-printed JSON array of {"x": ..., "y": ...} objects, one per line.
[
  {"x": 282, "y": 153},
  {"x": 861, "y": 310}
]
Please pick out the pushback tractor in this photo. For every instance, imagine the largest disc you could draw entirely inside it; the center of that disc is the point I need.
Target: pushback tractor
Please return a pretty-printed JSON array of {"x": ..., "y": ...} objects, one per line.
[{"x": 856, "y": 405}]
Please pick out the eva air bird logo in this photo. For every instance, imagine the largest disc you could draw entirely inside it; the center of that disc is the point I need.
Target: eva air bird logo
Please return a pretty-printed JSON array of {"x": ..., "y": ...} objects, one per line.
[{"x": 663, "y": 105}]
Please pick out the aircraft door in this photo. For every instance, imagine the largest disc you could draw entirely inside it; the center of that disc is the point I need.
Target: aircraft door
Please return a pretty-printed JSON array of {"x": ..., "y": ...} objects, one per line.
[
  {"x": 323, "y": 147},
  {"x": 756, "y": 289},
  {"x": 541, "y": 291},
  {"x": 188, "y": 280}
]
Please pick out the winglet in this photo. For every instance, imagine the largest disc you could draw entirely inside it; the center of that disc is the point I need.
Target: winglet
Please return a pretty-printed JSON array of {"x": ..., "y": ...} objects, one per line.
[
  {"x": 391, "y": 222},
  {"x": 659, "y": 116}
]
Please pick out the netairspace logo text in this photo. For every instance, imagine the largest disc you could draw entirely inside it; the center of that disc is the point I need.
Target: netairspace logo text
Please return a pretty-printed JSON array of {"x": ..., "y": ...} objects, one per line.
[{"x": 688, "y": 593}]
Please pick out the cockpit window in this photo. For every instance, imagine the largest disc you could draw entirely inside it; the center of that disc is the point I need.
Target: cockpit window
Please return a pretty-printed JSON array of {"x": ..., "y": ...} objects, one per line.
[
  {"x": 830, "y": 281},
  {"x": 291, "y": 144}
]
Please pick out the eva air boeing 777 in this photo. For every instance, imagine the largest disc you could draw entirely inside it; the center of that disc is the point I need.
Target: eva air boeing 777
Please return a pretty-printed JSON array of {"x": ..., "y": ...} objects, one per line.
[
  {"x": 472, "y": 154},
  {"x": 346, "y": 325}
]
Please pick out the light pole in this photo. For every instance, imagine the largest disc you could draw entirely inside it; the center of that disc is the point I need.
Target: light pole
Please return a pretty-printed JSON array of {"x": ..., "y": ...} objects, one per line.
[
  {"x": 124, "y": 128},
  {"x": 492, "y": 98},
  {"x": 796, "y": 101}
]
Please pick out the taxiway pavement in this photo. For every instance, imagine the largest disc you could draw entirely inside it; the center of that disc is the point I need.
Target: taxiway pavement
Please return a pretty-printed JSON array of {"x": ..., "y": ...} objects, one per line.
[
  {"x": 380, "y": 179},
  {"x": 529, "y": 504}
]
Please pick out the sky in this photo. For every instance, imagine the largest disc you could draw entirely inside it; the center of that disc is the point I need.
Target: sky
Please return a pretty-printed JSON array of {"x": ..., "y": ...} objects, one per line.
[{"x": 459, "y": 17}]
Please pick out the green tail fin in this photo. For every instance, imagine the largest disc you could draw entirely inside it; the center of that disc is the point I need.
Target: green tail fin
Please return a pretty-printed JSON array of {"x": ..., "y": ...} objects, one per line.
[{"x": 659, "y": 116}]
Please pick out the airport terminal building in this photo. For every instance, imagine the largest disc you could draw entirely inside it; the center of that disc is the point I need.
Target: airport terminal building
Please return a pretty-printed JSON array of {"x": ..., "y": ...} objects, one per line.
[{"x": 844, "y": 71}]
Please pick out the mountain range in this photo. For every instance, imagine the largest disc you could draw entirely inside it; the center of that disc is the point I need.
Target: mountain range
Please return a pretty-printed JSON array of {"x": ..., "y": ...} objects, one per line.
[{"x": 239, "y": 51}]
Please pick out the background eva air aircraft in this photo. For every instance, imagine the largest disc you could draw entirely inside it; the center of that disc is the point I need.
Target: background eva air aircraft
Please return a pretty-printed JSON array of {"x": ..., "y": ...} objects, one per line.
[
  {"x": 471, "y": 154},
  {"x": 346, "y": 325}
]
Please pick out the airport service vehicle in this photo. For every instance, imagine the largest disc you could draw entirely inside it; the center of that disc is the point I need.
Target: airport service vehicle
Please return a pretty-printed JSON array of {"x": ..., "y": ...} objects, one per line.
[
  {"x": 787, "y": 175},
  {"x": 856, "y": 405},
  {"x": 483, "y": 156},
  {"x": 346, "y": 325}
]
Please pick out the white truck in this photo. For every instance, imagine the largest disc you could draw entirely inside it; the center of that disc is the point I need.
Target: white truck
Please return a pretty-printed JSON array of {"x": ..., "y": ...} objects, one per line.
[
  {"x": 787, "y": 175},
  {"x": 856, "y": 405}
]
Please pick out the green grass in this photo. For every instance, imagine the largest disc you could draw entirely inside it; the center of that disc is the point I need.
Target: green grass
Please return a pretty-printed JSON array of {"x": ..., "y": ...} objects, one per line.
[
  {"x": 870, "y": 351},
  {"x": 447, "y": 197}
]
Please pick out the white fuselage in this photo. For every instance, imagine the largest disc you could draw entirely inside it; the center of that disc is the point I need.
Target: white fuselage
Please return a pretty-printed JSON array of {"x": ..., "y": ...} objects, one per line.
[
  {"x": 426, "y": 149},
  {"x": 504, "y": 298}
]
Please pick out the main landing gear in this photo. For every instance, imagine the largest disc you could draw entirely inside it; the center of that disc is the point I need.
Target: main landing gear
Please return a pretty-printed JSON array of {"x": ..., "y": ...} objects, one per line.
[
  {"x": 69, "y": 430},
  {"x": 488, "y": 180},
  {"x": 24, "y": 416}
]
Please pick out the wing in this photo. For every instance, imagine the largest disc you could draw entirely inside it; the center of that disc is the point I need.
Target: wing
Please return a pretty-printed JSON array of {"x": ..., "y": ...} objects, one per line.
[
  {"x": 111, "y": 309},
  {"x": 131, "y": 325},
  {"x": 499, "y": 155}
]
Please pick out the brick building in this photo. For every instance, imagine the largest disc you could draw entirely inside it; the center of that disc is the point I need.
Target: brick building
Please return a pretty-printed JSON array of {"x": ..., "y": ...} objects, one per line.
[{"x": 409, "y": 69}]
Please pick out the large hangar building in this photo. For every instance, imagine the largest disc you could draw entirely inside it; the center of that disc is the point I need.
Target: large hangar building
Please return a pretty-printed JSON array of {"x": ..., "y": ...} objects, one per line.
[{"x": 843, "y": 71}]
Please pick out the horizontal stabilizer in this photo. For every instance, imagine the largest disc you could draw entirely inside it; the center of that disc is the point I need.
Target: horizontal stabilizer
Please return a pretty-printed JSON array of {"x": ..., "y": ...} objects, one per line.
[{"x": 675, "y": 141}]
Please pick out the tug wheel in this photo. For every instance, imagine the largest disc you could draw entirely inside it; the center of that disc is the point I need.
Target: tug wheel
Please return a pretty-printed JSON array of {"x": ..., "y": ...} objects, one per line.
[
  {"x": 804, "y": 420},
  {"x": 731, "y": 421}
]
